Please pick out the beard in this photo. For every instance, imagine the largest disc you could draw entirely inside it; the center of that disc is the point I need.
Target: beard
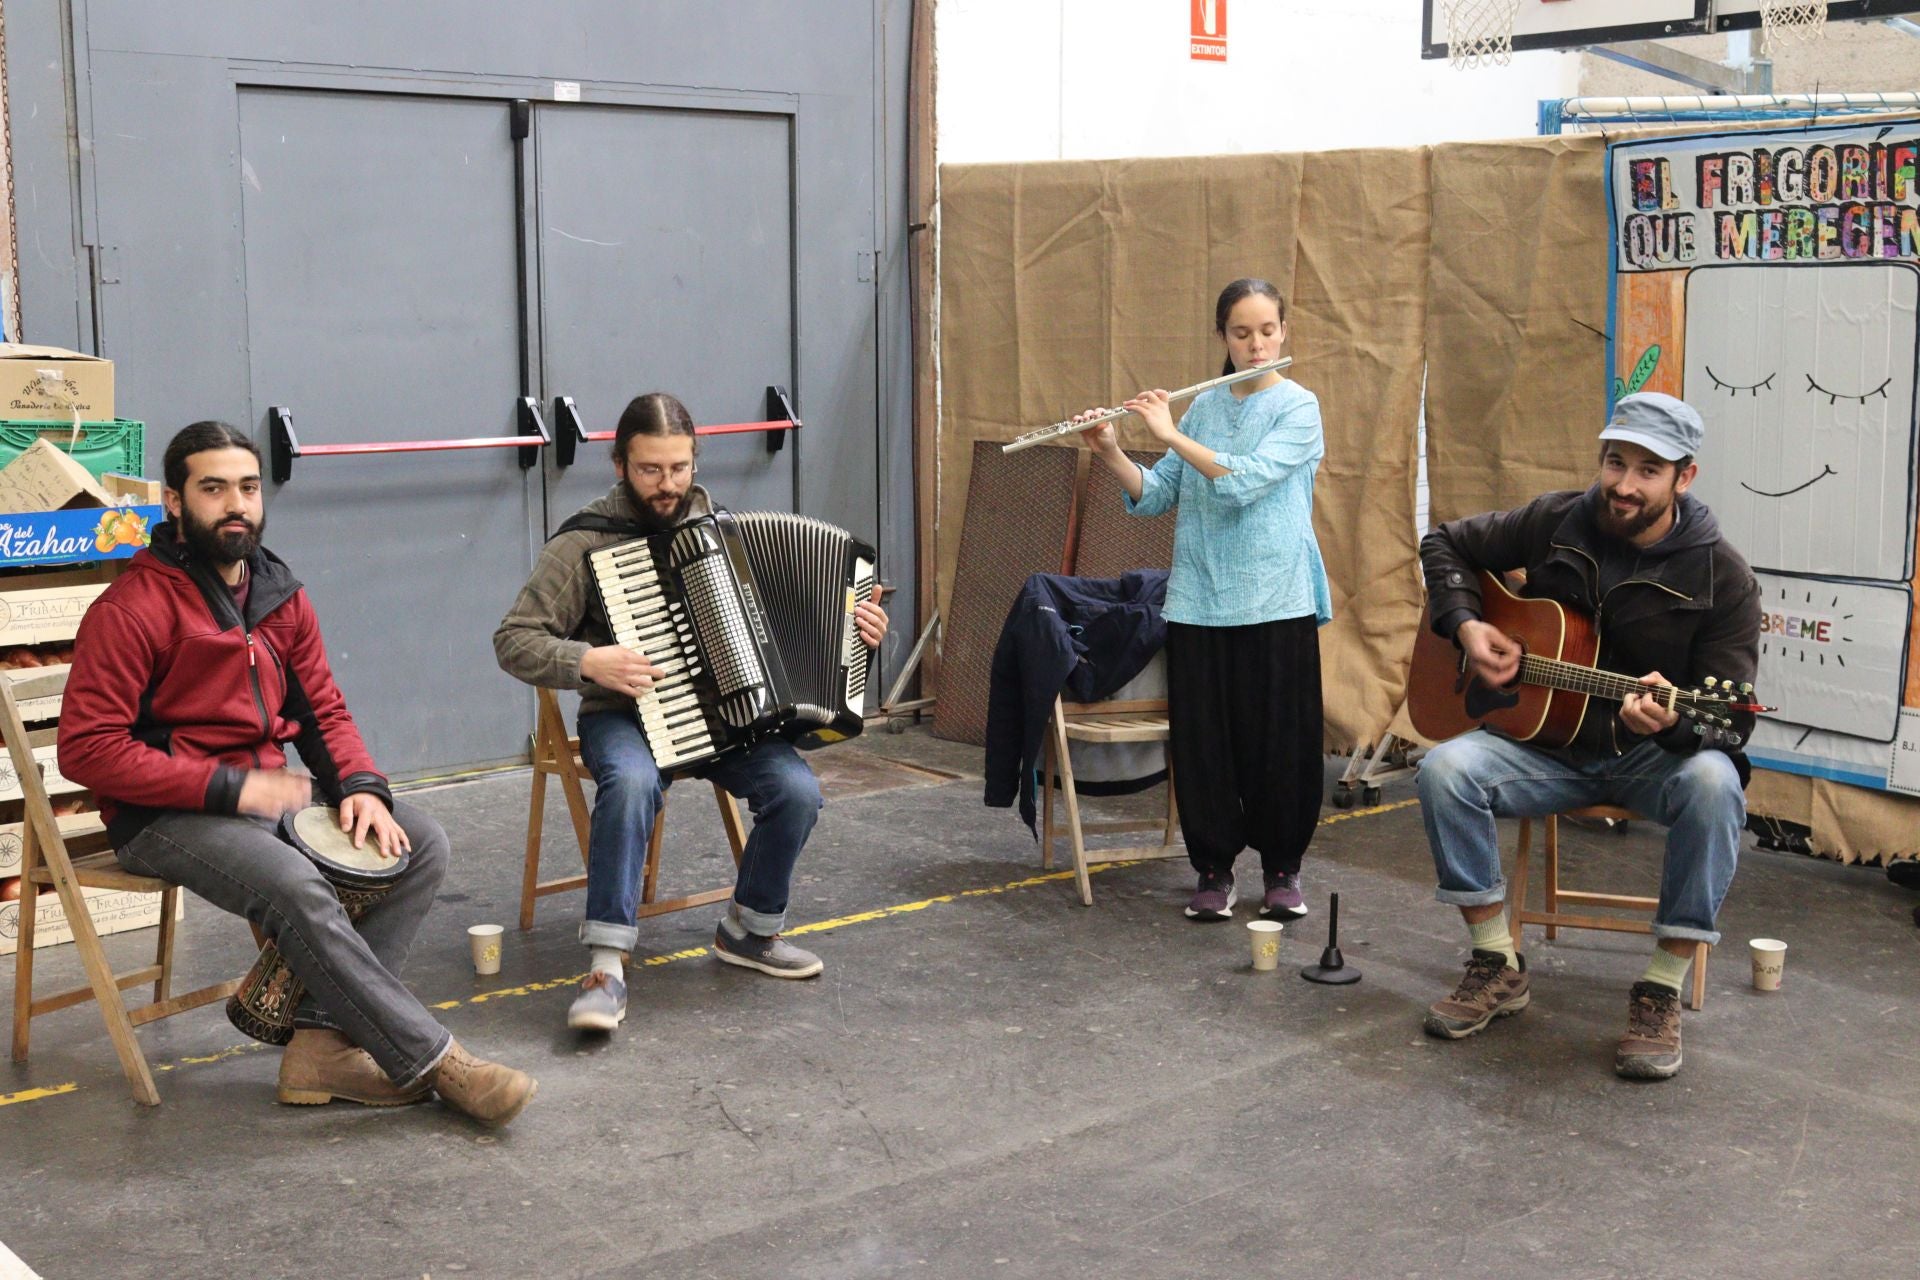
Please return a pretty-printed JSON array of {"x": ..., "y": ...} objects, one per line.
[
  {"x": 221, "y": 547},
  {"x": 1629, "y": 527},
  {"x": 658, "y": 516}
]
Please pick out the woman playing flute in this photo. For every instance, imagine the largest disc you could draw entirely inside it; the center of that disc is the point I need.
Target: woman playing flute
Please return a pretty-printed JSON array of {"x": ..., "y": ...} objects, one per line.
[{"x": 1247, "y": 596}]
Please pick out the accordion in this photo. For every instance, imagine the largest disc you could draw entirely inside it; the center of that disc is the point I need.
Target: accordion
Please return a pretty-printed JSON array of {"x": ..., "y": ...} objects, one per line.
[{"x": 750, "y": 616}]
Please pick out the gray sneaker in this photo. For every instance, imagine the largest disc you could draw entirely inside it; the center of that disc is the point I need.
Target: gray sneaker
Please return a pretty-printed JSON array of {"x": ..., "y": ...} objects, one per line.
[
  {"x": 601, "y": 1004},
  {"x": 773, "y": 956}
]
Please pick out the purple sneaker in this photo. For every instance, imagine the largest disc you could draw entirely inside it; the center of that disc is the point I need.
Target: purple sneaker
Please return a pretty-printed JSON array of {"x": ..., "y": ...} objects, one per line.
[
  {"x": 1214, "y": 898},
  {"x": 1283, "y": 901}
]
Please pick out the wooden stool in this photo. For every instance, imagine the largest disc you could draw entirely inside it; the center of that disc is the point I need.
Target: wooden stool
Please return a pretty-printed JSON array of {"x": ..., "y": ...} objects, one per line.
[
  {"x": 69, "y": 859},
  {"x": 1555, "y": 919},
  {"x": 556, "y": 754},
  {"x": 1135, "y": 721}
]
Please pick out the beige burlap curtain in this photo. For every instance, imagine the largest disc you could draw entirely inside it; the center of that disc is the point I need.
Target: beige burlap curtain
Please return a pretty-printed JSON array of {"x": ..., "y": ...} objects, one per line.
[{"x": 1069, "y": 285}]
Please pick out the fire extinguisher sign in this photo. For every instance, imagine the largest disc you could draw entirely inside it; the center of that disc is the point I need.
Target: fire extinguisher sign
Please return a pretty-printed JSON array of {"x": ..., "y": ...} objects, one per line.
[{"x": 1209, "y": 42}]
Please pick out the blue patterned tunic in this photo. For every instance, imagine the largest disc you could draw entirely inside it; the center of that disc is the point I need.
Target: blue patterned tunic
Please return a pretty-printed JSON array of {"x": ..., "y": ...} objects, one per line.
[{"x": 1243, "y": 545}]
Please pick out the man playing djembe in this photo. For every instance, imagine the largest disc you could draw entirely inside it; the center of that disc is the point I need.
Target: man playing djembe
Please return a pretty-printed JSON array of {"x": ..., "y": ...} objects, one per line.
[{"x": 191, "y": 673}]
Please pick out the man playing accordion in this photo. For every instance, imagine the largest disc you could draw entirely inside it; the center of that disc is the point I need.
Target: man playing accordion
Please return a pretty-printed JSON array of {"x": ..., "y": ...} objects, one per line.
[{"x": 555, "y": 636}]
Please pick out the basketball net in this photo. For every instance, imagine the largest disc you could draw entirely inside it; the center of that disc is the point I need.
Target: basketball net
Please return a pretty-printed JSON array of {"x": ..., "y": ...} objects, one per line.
[
  {"x": 1786, "y": 22},
  {"x": 1480, "y": 32}
]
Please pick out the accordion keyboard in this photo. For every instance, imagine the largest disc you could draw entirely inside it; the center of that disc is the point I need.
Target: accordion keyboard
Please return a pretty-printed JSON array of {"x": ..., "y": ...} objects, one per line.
[{"x": 649, "y": 621}]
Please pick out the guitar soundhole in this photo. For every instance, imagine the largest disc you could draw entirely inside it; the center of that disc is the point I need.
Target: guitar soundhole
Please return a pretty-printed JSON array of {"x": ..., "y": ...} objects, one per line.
[{"x": 1483, "y": 700}]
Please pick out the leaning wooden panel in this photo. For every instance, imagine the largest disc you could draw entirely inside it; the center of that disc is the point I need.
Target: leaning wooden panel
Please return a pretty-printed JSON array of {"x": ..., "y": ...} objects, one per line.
[
  {"x": 1019, "y": 514},
  {"x": 1111, "y": 542}
]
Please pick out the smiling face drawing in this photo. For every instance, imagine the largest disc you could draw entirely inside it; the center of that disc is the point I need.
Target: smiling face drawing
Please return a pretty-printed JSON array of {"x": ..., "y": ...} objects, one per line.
[{"x": 1806, "y": 379}]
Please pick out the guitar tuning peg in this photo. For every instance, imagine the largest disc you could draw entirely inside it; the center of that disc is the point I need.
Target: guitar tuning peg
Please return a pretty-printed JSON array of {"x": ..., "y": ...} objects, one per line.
[
  {"x": 1733, "y": 739},
  {"x": 1746, "y": 690},
  {"x": 1691, "y": 714},
  {"x": 1712, "y": 683},
  {"x": 1699, "y": 731}
]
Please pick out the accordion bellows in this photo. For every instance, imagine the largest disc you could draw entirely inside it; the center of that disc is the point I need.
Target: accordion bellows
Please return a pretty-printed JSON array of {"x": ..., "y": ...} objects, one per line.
[{"x": 750, "y": 616}]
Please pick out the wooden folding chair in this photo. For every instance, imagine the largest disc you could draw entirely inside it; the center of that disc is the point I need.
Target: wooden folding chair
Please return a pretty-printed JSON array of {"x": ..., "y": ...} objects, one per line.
[
  {"x": 1555, "y": 919},
  {"x": 69, "y": 861},
  {"x": 555, "y": 754},
  {"x": 1138, "y": 720}
]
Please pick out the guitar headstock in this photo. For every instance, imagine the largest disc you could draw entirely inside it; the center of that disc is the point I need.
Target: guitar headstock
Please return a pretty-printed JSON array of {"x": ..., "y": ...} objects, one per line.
[{"x": 1710, "y": 705}]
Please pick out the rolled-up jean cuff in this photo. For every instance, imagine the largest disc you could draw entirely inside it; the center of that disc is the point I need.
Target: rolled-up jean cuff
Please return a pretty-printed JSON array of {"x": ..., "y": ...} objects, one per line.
[
  {"x": 431, "y": 1061},
  {"x": 1687, "y": 933},
  {"x": 600, "y": 933},
  {"x": 759, "y": 922},
  {"x": 1472, "y": 897}
]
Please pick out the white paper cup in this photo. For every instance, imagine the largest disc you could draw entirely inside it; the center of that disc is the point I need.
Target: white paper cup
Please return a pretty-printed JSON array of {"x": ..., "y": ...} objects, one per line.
[
  {"x": 1769, "y": 959},
  {"x": 1265, "y": 936},
  {"x": 485, "y": 941}
]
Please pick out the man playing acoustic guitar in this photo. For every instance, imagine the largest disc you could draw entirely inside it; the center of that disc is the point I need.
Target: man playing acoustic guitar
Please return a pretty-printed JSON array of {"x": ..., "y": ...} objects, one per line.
[{"x": 1673, "y": 604}]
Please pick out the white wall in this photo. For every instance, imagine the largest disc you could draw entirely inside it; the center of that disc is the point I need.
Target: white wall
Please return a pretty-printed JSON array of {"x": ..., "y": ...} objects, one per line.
[{"x": 1088, "y": 79}]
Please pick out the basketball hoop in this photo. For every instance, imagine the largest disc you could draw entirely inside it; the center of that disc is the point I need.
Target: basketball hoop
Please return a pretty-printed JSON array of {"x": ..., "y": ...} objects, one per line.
[
  {"x": 1791, "y": 22},
  {"x": 1480, "y": 32}
]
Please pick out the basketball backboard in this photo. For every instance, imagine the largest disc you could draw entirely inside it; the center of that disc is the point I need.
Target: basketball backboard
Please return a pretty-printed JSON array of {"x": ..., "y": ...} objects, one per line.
[
  {"x": 1571, "y": 24},
  {"x": 1568, "y": 24},
  {"x": 1744, "y": 15}
]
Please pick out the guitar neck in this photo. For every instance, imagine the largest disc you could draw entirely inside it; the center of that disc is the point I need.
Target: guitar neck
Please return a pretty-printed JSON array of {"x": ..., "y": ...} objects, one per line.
[{"x": 1592, "y": 681}]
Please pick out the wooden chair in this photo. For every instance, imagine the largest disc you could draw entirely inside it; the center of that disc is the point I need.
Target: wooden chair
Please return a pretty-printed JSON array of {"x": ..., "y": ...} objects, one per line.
[
  {"x": 1555, "y": 919},
  {"x": 68, "y": 861},
  {"x": 1140, "y": 720},
  {"x": 555, "y": 754}
]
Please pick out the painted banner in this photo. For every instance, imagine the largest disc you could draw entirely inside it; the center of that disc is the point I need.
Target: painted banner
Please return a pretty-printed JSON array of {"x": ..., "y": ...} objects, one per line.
[{"x": 1772, "y": 280}]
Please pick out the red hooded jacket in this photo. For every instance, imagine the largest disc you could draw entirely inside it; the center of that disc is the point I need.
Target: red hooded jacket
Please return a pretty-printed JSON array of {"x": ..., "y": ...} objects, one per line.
[{"x": 174, "y": 696}]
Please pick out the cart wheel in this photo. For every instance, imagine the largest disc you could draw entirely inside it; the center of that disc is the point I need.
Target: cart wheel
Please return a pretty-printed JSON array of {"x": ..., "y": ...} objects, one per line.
[
  {"x": 1371, "y": 796},
  {"x": 1342, "y": 798},
  {"x": 896, "y": 725}
]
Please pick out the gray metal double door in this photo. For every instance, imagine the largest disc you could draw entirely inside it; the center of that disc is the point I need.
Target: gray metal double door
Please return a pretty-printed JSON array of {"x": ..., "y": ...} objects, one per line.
[{"x": 412, "y": 269}]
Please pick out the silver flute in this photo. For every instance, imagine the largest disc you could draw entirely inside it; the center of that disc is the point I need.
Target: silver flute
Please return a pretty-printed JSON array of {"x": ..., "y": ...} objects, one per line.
[{"x": 1068, "y": 427}]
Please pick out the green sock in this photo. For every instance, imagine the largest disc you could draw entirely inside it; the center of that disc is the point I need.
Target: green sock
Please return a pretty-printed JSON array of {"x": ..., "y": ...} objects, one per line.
[
  {"x": 1667, "y": 969},
  {"x": 1491, "y": 935}
]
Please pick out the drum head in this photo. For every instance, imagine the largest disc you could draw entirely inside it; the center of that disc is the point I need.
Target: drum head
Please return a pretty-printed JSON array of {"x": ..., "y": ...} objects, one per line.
[{"x": 315, "y": 830}]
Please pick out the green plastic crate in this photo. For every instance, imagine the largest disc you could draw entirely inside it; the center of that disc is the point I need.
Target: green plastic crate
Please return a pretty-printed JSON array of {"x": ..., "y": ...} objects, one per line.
[{"x": 119, "y": 446}]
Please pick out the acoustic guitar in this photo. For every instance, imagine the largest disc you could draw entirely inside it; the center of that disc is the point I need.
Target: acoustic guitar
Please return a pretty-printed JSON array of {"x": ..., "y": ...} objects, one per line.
[{"x": 1557, "y": 682}]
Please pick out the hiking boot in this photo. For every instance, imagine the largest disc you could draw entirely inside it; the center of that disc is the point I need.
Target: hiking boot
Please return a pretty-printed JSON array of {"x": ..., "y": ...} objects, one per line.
[
  {"x": 320, "y": 1066},
  {"x": 1214, "y": 898},
  {"x": 1283, "y": 900},
  {"x": 601, "y": 1004},
  {"x": 1651, "y": 1048},
  {"x": 1492, "y": 989},
  {"x": 487, "y": 1091},
  {"x": 771, "y": 954}
]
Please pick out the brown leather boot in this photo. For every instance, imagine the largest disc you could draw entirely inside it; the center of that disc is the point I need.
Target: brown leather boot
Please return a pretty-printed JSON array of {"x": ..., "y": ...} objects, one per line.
[
  {"x": 319, "y": 1066},
  {"x": 487, "y": 1091}
]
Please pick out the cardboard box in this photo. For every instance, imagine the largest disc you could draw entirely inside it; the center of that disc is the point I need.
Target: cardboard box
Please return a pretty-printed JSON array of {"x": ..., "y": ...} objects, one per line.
[
  {"x": 45, "y": 479},
  {"x": 141, "y": 493},
  {"x": 12, "y": 852},
  {"x": 49, "y": 760},
  {"x": 42, "y": 615},
  {"x": 48, "y": 384},
  {"x": 113, "y": 911}
]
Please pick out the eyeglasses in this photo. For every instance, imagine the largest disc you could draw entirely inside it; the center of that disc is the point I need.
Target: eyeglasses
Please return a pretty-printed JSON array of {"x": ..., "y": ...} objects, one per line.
[{"x": 653, "y": 474}]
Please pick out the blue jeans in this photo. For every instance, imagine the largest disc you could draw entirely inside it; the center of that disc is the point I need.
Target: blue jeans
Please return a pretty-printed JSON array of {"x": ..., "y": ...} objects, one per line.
[
  {"x": 1467, "y": 782},
  {"x": 780, "y": 791}
]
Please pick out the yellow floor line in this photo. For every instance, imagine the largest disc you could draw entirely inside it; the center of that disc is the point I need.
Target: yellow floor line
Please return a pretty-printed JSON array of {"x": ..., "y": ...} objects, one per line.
[
  {"x": 694, "y": 953},
  {"x": 34, "y": 1095}
]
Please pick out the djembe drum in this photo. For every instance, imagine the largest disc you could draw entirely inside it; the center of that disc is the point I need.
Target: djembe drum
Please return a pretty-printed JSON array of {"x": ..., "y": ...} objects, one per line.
[{"x": 263, "y": 1006}]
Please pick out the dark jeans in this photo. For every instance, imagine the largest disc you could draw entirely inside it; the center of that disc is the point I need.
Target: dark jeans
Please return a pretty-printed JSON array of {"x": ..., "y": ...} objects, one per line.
[
  {"x": 776, "y": 783},
  {"x": 240, "y": 865}
]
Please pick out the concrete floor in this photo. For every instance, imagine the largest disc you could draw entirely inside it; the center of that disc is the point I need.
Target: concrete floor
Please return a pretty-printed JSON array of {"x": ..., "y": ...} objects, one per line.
[{"x": 990, "y": 1080}]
